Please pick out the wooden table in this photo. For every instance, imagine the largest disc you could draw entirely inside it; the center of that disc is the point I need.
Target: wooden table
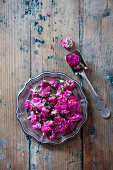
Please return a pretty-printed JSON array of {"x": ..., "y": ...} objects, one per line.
[{"x": 30, "y": 43}]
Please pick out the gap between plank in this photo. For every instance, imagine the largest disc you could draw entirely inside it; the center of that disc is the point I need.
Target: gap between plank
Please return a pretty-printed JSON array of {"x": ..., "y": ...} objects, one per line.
[
  {"x": 29, "y": 138},
  {"x": 80, "y": 3}
]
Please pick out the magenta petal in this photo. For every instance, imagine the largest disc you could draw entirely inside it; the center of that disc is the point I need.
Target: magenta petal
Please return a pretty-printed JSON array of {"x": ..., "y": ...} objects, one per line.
[{"x": 47, "y": 14}]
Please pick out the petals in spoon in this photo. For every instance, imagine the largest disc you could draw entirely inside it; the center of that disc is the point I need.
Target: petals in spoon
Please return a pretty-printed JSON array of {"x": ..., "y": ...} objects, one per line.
[{"x": 76, "y": 62}]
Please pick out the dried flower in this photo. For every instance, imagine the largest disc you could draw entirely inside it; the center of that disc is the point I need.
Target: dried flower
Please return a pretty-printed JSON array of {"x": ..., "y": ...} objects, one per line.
[
  {"x": 69, "y": 85},
  {"x": 67, "y": 43},
  {"x": 33, "y": 118},
  {"x": 36, "y": 125},
  {"x": 73, "y": 59}
]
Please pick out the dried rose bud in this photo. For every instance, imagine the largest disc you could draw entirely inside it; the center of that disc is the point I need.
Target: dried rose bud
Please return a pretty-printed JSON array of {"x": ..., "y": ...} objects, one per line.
[
  {"x": 73, "y": 59},
  {"x": 67, "y": 43}
]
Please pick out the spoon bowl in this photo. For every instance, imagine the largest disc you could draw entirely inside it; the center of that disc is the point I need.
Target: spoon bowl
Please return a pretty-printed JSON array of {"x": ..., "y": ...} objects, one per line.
[{"x": 77, "y": 52}]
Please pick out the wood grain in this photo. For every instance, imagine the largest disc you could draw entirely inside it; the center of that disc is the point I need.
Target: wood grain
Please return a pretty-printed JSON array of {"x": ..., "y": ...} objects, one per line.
[
  {"x": 30, "y": 43},
  {"x": 14, "y": 71},
  {"x": 97, "y": 50},
  {"x": 48, "y": 55}
]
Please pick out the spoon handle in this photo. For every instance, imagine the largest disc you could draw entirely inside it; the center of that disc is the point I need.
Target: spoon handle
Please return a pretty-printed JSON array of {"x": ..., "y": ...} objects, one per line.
[{"x": 100, "y": 105}]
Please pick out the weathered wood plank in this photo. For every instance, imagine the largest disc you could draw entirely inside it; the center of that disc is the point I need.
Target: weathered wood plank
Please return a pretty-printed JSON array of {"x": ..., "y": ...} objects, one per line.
[
  {"x": 14, "y": 71},
  {"x": 97, "y": 50},
  {"x": 48, "y": 55},
  {"x": 31, "y": 43}
]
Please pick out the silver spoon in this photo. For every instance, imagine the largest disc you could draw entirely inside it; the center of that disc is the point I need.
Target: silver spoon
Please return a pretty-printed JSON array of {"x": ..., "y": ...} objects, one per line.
[{"x": 100, "y": 105}]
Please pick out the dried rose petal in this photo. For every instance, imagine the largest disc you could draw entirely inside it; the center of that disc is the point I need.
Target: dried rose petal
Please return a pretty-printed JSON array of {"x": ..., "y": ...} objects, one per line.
[{"x": 47, "y": 14}]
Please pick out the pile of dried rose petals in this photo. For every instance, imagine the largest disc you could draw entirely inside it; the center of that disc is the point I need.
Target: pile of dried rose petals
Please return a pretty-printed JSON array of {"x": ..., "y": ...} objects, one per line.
[{"x": 53, "y": 108}]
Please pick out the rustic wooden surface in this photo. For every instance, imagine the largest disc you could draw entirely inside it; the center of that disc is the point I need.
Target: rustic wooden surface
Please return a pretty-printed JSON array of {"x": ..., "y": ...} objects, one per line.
[{"x": 30, "y": 43}]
